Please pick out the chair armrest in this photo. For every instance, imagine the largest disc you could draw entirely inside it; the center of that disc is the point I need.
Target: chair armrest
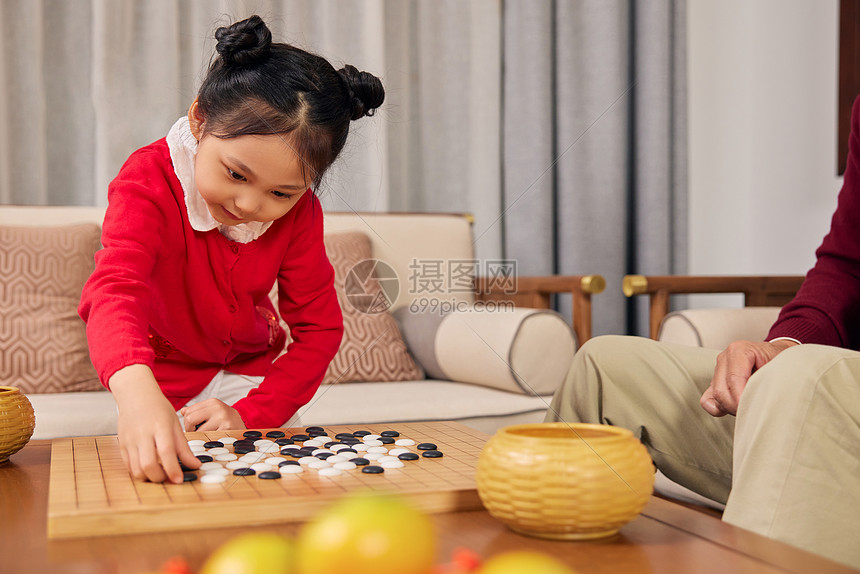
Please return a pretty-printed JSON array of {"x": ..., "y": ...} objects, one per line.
[
  {"x": 534, "y": 292},
  {"x": 758, "y": 291}
]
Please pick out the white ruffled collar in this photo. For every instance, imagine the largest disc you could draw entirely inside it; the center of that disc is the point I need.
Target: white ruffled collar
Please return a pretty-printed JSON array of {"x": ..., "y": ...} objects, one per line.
[{"x": 183, "y": 149}]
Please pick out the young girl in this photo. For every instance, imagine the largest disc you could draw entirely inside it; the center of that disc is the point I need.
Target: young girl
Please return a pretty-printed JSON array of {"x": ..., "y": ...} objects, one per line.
[{"x": 199, "y": 227}]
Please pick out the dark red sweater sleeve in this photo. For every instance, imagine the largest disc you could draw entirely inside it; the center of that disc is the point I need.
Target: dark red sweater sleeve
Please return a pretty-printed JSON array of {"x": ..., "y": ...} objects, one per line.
[{"x": 826, "y": 309}]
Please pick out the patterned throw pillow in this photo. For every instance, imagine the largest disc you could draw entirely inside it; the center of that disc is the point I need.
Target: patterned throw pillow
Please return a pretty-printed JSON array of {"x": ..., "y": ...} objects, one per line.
[
  {"x": 372, "y": 348},
  {"x": 43, "y": 342}
]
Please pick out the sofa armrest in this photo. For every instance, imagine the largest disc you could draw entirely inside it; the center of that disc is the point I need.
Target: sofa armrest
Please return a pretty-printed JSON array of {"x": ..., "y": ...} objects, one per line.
[
  {"x": 535, "y": 292},
  {"x": 758, "y": 291}
]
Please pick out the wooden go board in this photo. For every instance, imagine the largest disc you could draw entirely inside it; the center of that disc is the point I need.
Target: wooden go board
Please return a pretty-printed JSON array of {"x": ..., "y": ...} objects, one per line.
[{"x": 91, "y": 492}]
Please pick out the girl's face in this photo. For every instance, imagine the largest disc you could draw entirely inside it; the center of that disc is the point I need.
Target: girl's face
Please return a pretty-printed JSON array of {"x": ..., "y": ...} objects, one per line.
[{"x": 248, "y": 178}]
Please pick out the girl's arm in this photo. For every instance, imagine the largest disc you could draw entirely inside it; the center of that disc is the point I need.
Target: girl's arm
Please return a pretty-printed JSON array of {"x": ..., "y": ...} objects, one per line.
[
  {"x": 308, "y": 304},
  {"x": 150, "y": 437}
]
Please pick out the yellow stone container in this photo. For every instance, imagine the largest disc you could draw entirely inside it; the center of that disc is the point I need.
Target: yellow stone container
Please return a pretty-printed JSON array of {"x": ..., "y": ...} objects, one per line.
[
  {"x": 564, "y": 481},
  {"x": 17, "y": 421}
]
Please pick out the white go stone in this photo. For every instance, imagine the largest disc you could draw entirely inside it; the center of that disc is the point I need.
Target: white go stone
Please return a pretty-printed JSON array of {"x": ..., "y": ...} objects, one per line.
[
  {"x": 210, "y": 465},
  {"x": 398, "y": 451},
  {"x": 318, "y": 464},
  {"x": 337, "y": 447},
  {"x": 320, "y": 451},
  {"x": 336, "y": 459},
  {"x": 373, "y": 442},
  {"x": 253, "y": 457},
  {"x": 222, "y": 471},
  {"x": 373, "y": 456},
  {"x": 386, "y": 458},
  {"x": 291, "y": 469},
  {"x": 345, "y": 465},
  {"x": 392, "y": 464},
  {"x": 228, "y": 440},
  {"x": 404, "y": 442},
  {"x": 218, "y": 450},
  {"x": 360, "y": 447},
  {"x": 290, "y": 446},
  {"x": 306, "y": 460},
  {"x": 236, "y": 464},
  {"x": 213, "y": 478},
  {"x": 263, "y": 442},
  {"x": 269, "y": 448},
  {"x": 313, "y": 442},
  {"x": 330, "y": 471},
  {"x": 196, "y": 442},
  {"x": 274, "y": 460},
  {"x": 262, "y": 467},
  {"x": 227, "y": 457},
  {"x": 198, "y": 449},
  {"x": 369, "y": 437},
  {"x": 379, "y": 449}
]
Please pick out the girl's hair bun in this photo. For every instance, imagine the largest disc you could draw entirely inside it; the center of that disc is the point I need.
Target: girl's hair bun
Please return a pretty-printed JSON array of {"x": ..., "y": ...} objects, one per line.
[
  {"x": 244, "y": 43},
  {"x": 365, "y": 91}
]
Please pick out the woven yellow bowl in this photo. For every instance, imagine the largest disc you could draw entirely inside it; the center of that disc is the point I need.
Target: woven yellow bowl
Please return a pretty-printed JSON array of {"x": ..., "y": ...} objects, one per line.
[
  {"x": 17, "y": 421},
  {"x": 564, "y": 481}
]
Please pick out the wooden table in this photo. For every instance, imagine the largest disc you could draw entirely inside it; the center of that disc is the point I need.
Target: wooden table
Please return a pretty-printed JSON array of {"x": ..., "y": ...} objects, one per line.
[{"x": 666, "y": 538}]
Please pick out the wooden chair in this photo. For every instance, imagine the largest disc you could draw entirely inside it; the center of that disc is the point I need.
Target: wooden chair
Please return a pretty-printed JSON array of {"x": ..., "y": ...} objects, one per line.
[
  {"x": 535, "y": 292},
  {"x": 758, "y": 291}
]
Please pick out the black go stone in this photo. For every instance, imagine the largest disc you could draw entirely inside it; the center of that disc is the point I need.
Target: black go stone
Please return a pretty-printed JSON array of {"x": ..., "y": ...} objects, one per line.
[
  {"x": 386, "y": 440},
  {"x": 343, "y": 435},
  {"x": 295, "y": 453},
  {"x": 204, "y": 458},
  {"x": 214, "y": 444},
  {"x": 275, "y": 434},
  {"x": 314, "y": 429},
  {"x": 372, "y": 469},
  {"x": 432, "y": 454},
  {"x": 244, "y": 472},
  {"x": 426, "y": 446},
  {"x": 389, "y": 433},
  {"x": 269, "y": 475},
  {"x": 288, "y": 462},
  {"x": 189, "y": 477},
  {"x": 284, "y": 441},
  {"x": 315, "y": 434},
  {"x": 345, "y": 450},
  {"x": 408, "y": 456},
  {"x": 331, "y": 444},
  {"x": 243, "y": 449},
  {"x": 361, "y": 433},
  {"x": 288, "y": 451},
  {"x": 360, "y": 461},
  {"x": 252, "y": 434},
  {"x": 324, "y": 455},
  {"x": 184, "y": 468},
  {"x": 350, "y": 441},
  {"x": 300, "y": 437}
]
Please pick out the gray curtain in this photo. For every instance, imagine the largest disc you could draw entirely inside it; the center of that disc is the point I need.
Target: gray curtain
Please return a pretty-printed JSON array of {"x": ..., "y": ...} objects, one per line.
[
  {"x": 559, "y": 124},
  {"x": 594, "y": 143}
]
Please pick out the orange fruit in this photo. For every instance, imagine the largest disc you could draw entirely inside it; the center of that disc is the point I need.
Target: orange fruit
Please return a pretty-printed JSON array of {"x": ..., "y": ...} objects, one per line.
[
  {"x": 524, "y": 561},
  {"x": 252, "y": 553},
  {"x": 367, "y": 533}
]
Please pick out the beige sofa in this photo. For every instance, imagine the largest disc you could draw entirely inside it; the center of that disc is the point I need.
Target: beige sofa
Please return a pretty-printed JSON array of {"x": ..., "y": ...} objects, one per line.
[{"x": 480, "y": 361}]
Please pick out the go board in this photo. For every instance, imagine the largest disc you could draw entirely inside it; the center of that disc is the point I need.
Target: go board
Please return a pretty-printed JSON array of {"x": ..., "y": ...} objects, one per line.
[{"x": 91, "y": 493}]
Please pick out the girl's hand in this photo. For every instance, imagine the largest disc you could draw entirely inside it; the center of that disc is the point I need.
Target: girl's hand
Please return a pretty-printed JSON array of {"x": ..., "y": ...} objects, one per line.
[
  {"x": 734, "y": 367},
  {"x": 211, "y": 415},
  {"x": 150, "y": 436}
]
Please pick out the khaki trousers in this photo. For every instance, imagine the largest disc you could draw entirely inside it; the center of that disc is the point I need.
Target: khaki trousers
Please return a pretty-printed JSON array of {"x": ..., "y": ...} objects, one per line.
[{"x": 787, "y": 467}]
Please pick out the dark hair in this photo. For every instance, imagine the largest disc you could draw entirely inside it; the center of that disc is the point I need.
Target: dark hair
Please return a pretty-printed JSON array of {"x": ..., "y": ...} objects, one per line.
[{"x": 257, "y": 87}]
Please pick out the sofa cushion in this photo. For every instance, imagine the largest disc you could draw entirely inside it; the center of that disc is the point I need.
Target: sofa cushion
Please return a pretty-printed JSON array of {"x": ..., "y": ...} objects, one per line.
[
  {"x": 716, "y": 328},
  {"x": 43, "y": 343},
  {"x": 372, "y": 348},
  {"x": 526, "y": 351}
]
